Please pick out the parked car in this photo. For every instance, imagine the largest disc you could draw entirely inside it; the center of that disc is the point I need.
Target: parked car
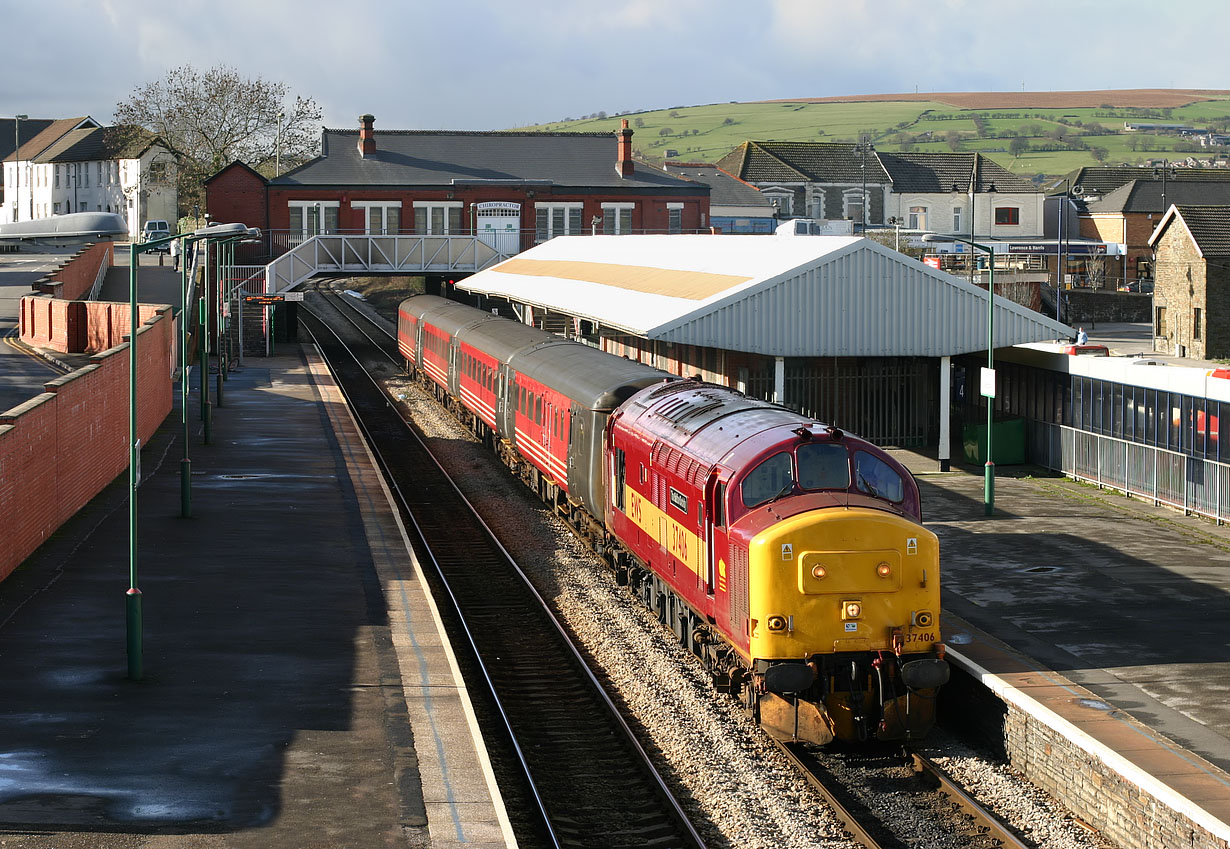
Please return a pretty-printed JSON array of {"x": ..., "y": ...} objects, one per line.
[
  {"x": 1142, "y": 286},
  {"x": 157, "y": 228}
]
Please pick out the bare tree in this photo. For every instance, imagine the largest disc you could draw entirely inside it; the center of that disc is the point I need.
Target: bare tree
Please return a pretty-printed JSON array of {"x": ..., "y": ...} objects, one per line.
[{"x": 211, "y": 118}]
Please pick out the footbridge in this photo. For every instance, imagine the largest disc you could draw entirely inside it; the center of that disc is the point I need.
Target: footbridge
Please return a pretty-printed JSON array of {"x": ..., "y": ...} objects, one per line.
[{"x": 361, "y": 254}]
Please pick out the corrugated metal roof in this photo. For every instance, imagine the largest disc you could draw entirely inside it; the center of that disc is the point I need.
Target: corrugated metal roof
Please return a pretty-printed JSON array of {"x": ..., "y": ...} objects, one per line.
[{"x": 802, "y": 296}]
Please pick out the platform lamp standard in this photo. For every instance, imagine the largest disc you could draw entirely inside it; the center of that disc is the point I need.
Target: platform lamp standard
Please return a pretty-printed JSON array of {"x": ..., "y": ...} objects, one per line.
[
  {"x": 210, "y": 233},
  {"x": 864, "y": 147},
  {"x": 988, "y": 373},
  {"x": 17, "y": 119},
  {"x": 132, "y": 606},
  {"x": 226, "y": 270}
]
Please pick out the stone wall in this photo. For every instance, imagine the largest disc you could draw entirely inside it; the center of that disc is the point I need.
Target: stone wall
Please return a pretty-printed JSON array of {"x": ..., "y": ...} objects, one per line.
[{"x": 1089, "y": 306}]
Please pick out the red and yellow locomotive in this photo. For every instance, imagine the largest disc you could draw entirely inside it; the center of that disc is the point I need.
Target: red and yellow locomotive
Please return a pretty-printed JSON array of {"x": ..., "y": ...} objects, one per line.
[{"x": 788, "y": 555}]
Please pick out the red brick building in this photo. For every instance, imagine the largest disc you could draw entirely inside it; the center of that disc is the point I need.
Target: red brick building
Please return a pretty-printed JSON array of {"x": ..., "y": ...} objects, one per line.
[{"x": 513, "y": 189}]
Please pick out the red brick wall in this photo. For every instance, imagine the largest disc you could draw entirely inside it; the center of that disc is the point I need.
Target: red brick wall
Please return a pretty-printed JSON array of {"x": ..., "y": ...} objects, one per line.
[
  {"x": 237, "y": 194},
  {"x": 77, "y": 327},
  {"x": 58, "y": 450},
  {"x": 77, "y": 276}
]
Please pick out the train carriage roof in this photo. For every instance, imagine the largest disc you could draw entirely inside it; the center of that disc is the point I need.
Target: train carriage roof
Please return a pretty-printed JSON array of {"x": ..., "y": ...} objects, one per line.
[{"x": 592, "y": 378}]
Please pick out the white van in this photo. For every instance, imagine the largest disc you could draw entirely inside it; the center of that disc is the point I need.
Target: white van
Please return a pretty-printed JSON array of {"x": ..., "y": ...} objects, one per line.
[{"x": 156, "y": 228}]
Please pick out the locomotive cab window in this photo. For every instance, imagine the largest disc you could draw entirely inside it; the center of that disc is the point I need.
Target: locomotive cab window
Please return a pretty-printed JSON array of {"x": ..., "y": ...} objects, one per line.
[
  {"x": 823, "y": 466},
  {"x": 772, "y": 478},
  {"x": 877, "y": 478}
]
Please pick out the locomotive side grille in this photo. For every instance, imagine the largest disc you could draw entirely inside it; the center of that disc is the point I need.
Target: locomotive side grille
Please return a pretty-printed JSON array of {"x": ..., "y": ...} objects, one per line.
[{"x": 738, "y": 585}]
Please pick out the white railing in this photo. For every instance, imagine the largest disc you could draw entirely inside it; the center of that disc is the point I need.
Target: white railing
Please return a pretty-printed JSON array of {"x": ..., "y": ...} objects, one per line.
[
  {"x": 361, "y": 254},
  {"x": 1190, "y": 484}
]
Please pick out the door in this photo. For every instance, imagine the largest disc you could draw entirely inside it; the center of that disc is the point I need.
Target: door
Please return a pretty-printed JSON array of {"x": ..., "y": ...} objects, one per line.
[
  {"x": 499, "y": 225},
  {"x": 717, "y": 547}
]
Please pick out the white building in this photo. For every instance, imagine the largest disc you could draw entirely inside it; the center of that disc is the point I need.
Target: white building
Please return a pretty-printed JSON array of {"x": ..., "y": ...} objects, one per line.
[{"x": 83, "y": 167}]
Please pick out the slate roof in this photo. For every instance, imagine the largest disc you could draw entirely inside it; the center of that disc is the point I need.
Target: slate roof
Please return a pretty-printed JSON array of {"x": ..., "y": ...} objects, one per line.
[
  {"x": 809, "y": 162},
  {"x": 1209, "y": 227},
  {"x": 31, "y": 147},
  {"x": 28, "y": 127},
  {"x": 1143, "y": 196},
  {"x": 99, "y": 143},
  {"x": 725, "y": 188},
  {"x": 1102, "y": 180},
  {"x": 939, "y": 172},
  {"x": 827, "y": 162},
  {"x": 449, "y": 157}
]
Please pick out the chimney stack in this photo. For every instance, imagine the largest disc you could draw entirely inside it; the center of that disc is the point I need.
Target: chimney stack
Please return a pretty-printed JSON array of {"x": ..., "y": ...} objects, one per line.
[
  {"x": 624, "y": 166},
  {"x": 367, "y": 136}
]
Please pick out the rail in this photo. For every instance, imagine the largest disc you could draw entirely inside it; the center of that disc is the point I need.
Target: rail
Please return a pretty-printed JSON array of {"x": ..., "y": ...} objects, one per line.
[{"x": 1191, "y": 484}]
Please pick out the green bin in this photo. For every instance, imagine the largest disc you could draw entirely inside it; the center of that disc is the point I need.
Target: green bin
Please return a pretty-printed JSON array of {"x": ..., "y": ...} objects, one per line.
[{"x": 1008, "y": 442}]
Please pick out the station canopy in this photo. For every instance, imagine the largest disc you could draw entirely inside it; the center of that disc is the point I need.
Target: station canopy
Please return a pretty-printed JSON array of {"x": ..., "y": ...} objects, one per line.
[{"x": 784, "y": 296}]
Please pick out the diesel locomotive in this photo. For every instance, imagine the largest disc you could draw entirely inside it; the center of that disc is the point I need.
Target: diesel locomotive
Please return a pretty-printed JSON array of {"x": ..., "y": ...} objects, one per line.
[{"x": 786, "y": 554}]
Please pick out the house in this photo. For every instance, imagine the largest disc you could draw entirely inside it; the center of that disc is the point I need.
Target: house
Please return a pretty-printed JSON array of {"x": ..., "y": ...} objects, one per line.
[
  {"x": 959, "y": 194},
  {"x": 1191, "y": 295},
  {"x": 75, "y": 165},
  {"x": 734, "y": 205},
  {"x": 513, "y": 189},
  {"x": 1129, "y": 213}
]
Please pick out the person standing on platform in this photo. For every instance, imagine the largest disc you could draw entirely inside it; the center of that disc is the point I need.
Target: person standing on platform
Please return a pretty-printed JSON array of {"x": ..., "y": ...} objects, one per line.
[
  {"x": 175, "y": 254},
  {"x": 1082, "y": 338}
]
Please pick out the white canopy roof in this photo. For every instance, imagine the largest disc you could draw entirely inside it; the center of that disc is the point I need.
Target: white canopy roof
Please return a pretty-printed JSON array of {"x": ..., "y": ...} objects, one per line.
[{"x": 792, "y": 296}]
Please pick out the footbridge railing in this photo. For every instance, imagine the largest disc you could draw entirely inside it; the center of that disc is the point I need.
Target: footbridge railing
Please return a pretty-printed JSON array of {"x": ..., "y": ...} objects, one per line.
[{"x": 379, "y": 255}]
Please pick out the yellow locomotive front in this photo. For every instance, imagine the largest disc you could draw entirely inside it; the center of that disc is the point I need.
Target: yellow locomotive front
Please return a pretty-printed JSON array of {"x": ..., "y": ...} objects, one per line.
[{"x": 844, "y": 605}]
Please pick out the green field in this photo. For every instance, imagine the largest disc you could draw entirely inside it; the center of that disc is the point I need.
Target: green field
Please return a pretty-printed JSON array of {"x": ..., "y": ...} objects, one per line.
[{"x": 707, "y": 133}]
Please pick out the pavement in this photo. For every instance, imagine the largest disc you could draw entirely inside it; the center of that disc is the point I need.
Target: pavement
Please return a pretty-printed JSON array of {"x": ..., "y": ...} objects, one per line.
[{"x": 297, "y": 691}]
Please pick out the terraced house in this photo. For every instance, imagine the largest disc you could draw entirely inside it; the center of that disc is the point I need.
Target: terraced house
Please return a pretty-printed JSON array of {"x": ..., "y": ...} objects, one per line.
[{"x": 960, "y": 194}]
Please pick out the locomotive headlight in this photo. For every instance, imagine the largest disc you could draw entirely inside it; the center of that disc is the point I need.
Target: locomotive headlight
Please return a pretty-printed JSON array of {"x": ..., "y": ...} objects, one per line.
[
  {"x": 851, "y": 609},
  {"x": 777, "y": 623},
  {"x": 884, "y": 570},
  {"x": 819, "y": 572}
]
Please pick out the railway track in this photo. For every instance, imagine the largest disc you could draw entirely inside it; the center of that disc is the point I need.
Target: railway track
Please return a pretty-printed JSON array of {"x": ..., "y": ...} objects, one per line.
[
  {"x": 868, "y": 788},
  {"x": 582, "y": 778},
  {"x": 881, "y": 797}
]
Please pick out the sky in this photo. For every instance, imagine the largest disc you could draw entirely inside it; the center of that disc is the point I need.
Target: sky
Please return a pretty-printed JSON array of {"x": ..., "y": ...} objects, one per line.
[{"x": 496, "y": 64}]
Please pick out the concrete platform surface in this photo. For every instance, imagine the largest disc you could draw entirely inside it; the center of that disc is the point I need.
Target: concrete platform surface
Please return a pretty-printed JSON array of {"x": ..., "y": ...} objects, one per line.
[{"x": 282, "y": 701}]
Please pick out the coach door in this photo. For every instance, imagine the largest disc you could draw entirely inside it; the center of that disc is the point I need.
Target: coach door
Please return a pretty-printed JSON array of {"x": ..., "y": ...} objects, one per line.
[{"x": 717, "y": 548}]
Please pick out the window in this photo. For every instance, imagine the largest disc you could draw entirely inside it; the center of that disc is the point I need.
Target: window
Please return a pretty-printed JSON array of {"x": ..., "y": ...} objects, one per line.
[
  {"x": 57, "y": 177},
  {"x": 621, "y": 478},
  {"x": 823, "y": 465},
  {"x": 719, "y": 506},
  {"x": 617, "y": 218},
  {"x": 956, "y": 220},
  {"x": 1007, "y": 215},
  {"x": 380, "y": 218},
  {"x": 918, "y": 218},
  {"x": 877, "y": 478},
  {"x": 852, "y": 205},
  {"x": 817, "y": 205},
  {"x": 1159, "y": 322},
  {"x": 674, "y": 218},
  {"x": 782, "y": 200},
  {"x": 437, "y": 218},
  {"x": 556, "y": 219},
  {"x": 767, "y": 481},
  {"x": 1196, "y": 323},
  {"x": 310, "y": 217}
]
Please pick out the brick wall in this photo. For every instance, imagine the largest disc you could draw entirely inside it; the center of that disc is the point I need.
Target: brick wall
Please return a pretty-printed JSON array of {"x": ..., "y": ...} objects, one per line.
[
  {"x": 1050, "y": 757},
  {"x": 58, "y": 450},
  {"x": 77, "y": 327},
  {"x": 76, "y": 277}
]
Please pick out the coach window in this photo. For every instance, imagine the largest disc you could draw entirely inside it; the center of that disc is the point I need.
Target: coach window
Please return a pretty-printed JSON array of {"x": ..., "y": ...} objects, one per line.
[
  {"x": 538, "y": 409},
  {"x": 773, "y": 477}
]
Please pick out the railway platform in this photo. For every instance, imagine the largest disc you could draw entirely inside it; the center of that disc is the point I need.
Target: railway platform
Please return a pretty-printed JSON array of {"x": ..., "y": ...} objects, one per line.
[
  {"x": 283, "y": 702},
  {"x": 1102, "y": 621}
]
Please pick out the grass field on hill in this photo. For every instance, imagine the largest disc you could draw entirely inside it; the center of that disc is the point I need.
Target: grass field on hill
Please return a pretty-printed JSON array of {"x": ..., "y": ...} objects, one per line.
[{"x": 1059, "y": 139}]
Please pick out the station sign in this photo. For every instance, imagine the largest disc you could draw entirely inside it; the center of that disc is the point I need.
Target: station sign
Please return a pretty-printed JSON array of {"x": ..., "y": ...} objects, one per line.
[{"x": 273, "y": 300}]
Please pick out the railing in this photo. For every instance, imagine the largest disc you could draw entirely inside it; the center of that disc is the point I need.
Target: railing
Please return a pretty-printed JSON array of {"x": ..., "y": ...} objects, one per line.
[{"x": 1190, "y": 484}]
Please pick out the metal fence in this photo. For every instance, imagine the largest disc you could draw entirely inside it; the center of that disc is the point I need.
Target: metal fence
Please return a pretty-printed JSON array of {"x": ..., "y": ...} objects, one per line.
[{"x": 1190, "y": 484}]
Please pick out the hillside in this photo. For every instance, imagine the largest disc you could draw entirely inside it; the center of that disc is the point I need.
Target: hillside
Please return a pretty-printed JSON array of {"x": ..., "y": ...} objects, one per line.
[{"x": 1029, "y": 133}]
